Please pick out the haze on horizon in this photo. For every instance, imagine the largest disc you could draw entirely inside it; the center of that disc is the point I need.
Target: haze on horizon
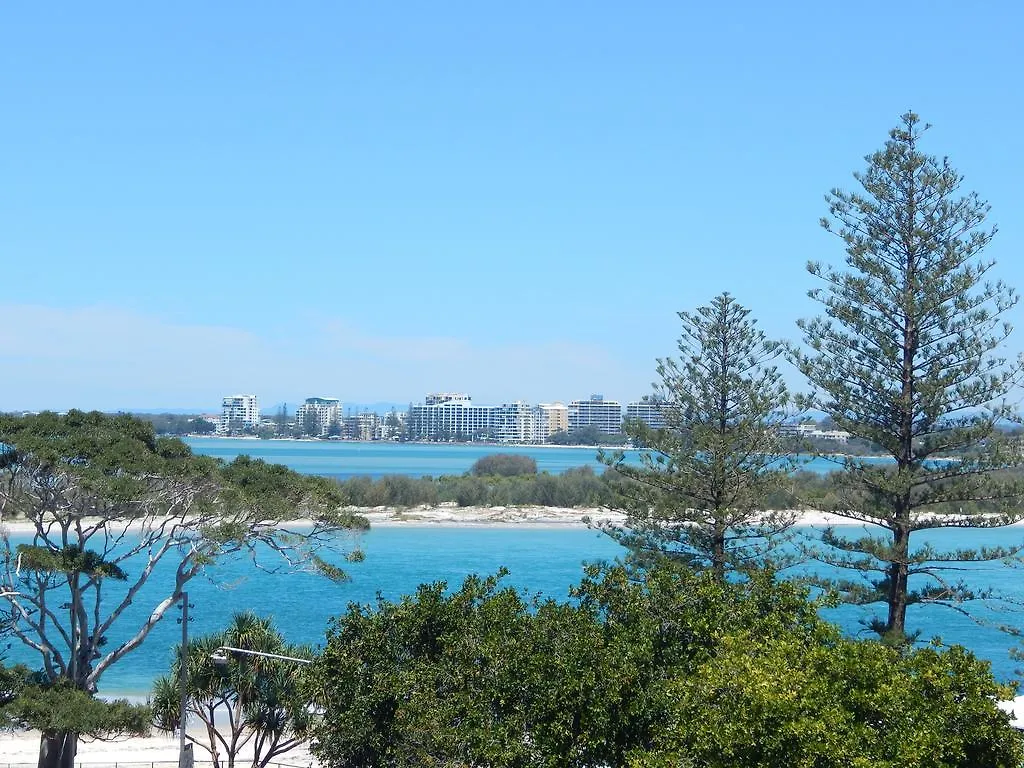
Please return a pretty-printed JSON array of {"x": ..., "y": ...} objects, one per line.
[{"x": 512, "y": 202}]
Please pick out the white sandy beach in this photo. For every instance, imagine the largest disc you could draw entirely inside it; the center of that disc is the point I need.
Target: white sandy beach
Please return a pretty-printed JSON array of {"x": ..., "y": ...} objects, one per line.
[
  {"x": 532, "y": 516},
  {"x": 450, "y": 515}
]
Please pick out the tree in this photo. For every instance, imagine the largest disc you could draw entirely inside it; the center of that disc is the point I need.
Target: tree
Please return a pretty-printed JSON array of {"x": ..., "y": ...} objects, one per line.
[
  {"x": 281, "y": 420},
  {"x": 661, "y": 667},
  {"x": 589, "y": 434},
  {"x": 766, "y": 701},
  {"x": 908, "y": 357},
  {"x": 245, "y": 699},
  {"x": 310, "y": 423},
  {"x": 700, "y": 490},
  {"x": 201, "y": 426},
  {"x": 108, "y": 503},
  {"x": 504, "y": 465},
  {"x": 60, "y": 712},
  {"x": 392, "y": 426}
]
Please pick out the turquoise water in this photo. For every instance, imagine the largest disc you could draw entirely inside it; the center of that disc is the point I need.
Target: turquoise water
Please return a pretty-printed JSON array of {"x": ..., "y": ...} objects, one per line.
[
  {"x": 540, "y": 560},
  {"x": 397, "y": 561},
  {"x": 344, "y": 458}
]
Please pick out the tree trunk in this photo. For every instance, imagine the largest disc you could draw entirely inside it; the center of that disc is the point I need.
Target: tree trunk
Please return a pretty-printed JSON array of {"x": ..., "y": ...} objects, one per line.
[
  {"x": 718, "y": 555},
  {"x": 58, "y": 749},
  {"x": 896, "y": 624}
]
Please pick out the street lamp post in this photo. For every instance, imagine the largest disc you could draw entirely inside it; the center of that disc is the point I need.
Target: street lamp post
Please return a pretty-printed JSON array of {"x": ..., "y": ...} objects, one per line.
[{"x": 185, "y": 756}]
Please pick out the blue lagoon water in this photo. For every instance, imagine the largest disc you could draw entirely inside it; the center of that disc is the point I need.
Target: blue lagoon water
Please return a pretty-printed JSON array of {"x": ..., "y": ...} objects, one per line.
[
  {"x": 349, "y": 458},
  {"x": 397, "y": 560}
]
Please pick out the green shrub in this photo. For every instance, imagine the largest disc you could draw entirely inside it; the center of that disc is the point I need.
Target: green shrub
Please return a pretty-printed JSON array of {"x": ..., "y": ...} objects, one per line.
[{"x": 504, "y": 465}]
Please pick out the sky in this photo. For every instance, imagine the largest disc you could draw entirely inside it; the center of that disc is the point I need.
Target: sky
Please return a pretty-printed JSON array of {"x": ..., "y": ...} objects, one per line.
[{"x": 373, "y": 201}]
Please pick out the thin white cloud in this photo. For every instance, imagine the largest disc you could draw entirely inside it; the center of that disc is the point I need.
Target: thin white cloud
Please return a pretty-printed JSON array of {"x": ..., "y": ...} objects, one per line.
[{"x": 108, "y": 357}]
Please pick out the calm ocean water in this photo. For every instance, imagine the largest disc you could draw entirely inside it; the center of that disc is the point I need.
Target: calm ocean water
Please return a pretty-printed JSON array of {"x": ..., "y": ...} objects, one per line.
[
  {"x": 344, "y": 458},
  {"x": 540, "y": 560}
]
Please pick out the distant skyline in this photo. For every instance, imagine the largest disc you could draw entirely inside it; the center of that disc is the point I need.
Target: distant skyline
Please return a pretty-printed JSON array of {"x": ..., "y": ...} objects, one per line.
[{"x": 513, "y": 201}]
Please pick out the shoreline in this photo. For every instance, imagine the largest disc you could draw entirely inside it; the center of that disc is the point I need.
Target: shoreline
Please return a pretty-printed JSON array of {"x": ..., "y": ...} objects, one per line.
[{"x": 449, "y": 515}]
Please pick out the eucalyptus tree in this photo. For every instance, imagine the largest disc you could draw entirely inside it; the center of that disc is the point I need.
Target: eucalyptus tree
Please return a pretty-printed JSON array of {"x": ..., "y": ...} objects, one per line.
[
  {"x": 110, "y": 508},
  {"x": 911, "y": 355},
  {"x": 244, "y": 701},
  {"x": 699, "y": 492}
]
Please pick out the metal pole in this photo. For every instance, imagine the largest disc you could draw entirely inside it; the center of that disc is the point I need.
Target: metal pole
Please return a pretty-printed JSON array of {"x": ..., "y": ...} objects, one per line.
[{"x": 185, "y": 751}]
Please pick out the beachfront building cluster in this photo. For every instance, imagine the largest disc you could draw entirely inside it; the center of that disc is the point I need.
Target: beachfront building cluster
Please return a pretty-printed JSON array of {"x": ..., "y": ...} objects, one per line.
[
  {"x": 441, "y": 417},
  {"x": 454, "y": 417},
  {"x": 448, "y": 416}
]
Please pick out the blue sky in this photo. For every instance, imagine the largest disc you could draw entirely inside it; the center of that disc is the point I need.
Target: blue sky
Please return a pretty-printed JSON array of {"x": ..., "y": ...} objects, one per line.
[{"x": 373, "y": 201}]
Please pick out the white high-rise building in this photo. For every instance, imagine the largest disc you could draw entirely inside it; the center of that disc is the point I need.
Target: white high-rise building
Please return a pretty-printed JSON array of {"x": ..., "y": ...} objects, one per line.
[
  {"x": 650, "y": 412},
  {"x": 606, "y": 415},
  {"x": 319, "y": 413},
  {"x": 449, "y": 416},
  {"x": 238, "y": 413},
  {"x": 513, "y": 423}
]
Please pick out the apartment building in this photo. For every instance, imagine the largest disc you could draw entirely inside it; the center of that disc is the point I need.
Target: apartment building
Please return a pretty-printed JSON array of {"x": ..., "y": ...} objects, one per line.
[
  {"x": 513, "y": 423},
  {"x": 317, "y": 414},
  {"x": 549, "y": 418},
  {"x": 362, "y": 426},
  {"x": 649, "y": 411},
  {"x": 450, "y": 416},
  {"x": 606, "y": 415},
  {"x": 238, "y": 413}
]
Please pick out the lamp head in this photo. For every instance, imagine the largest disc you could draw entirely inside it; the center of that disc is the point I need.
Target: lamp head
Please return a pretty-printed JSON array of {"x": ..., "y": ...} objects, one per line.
[{"x": 219, "y": 658}]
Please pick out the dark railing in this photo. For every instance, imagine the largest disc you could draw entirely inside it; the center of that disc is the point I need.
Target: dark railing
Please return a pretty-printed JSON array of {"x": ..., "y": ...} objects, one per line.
[{"x": 149, "y": 764}]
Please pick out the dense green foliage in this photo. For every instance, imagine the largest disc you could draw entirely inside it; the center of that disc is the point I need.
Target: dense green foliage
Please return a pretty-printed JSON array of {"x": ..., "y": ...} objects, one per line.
[
  {"x": 108, "y": 499},
  {"x": 504, "y": 465},
  {"x": 909, "y": 357},
  {"x": 700, "y": 490},
  {"x": 579, "y": 487},
  {"x": 177, "y": 424},
  {"x": 668, "y": 667},
  {"x": 58, "y": 709},
  {"x": 245, "y": 702},
  {"x": 588, "y": 435}
]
